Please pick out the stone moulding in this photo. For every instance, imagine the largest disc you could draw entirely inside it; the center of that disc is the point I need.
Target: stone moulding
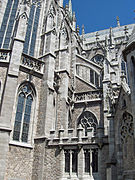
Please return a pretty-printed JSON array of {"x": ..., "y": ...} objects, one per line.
[
  {"x": 88, "y": 96},
  {"x": 32, "y": 63},
  {"x": 4, "y": 55}
]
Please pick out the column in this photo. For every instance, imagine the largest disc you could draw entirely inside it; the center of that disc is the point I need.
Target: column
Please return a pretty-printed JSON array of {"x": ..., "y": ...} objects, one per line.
[
  {"x": 81, "y": 161},
  {"x": 71, "y": 162},
  {"x": 111, "y": 165},
  {"x": 90, "y": 162},
  {"x": 62, "y": 163}
]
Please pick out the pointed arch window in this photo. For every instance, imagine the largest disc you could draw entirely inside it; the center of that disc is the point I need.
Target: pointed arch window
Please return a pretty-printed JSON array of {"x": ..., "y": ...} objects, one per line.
[
  {"x": 23, "y": 113},
  {"x": 89, "y": 122}
]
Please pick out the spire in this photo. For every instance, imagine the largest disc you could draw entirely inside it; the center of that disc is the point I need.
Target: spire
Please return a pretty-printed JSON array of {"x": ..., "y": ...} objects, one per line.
[
  {"x": 118, "y": 21},
  {"x": 60, "y": 3},
  {"x": 70, "y": 9},
  {"x": 77, "y": 29},
  {"x": 74, "y": 21},
  {"x": 83, "y": 32},
  {"x": 111, "y": 37},
  {"x": 74, "y": 17}
]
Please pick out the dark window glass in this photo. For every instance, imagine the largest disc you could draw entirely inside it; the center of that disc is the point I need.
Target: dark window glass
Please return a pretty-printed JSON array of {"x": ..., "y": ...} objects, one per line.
[
  {"x": 10, "y": 24},
  {"x": 29, "y": 28},
  {"x": 5, "y": 19},
  {"x": 74, "y": 161},
  {"x": 92, "y": 76},
  {"x": 31, "y": 33},
  {"x": 98, "y": 59},
  {"x": 18, "y": 118},
  {"x": 123, "y": 67},
  {"x": 94, "y": 160},
  {"x": 34, "y": 33},
  {"x": 26, "y": 120},
  {"x": 67, "y": 161},
  {"x": 96, "y": 79},
  {"x": 87, "y": 161},
  {"x": 23, "y": 113}
]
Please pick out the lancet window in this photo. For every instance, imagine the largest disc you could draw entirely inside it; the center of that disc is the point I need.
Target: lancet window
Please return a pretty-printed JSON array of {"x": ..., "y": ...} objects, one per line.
[
  {"x": 31, "y": 33},
  {"x": 7, "y": 25},
  {"x": 23, "y": 113}
]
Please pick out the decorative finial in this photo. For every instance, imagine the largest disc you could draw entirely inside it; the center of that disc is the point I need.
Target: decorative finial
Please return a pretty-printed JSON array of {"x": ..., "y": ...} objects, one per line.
[
  {"x": 74, "y": 21},
  {"x": 97, "y": 36},
  {"x": 67, "y": 8},
  {"x": 126, "y": 33},
  {"x": 118, "y": 21},
  {"x": 106, "y": 41},
  {"x": 111, "y": 36},
  {"x": 78, "y": 29},
  {"x": 74, "y": 17},
  {"x": 70, "y": 8},
  {"x": 83, "y": 32}
]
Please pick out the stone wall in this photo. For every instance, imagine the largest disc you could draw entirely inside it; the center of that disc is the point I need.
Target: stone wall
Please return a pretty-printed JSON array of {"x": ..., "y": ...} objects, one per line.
[
  {"x": 19, "y": 164},
  {"x": 52, "y": 164}
]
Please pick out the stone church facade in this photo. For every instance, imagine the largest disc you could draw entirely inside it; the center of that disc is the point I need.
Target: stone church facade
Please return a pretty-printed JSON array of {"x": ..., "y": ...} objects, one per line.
[{"x": 67, "y": 100}]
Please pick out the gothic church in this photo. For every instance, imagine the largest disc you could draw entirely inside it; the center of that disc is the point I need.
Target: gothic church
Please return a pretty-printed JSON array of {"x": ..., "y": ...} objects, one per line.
[{"x": 67, "y": 101}]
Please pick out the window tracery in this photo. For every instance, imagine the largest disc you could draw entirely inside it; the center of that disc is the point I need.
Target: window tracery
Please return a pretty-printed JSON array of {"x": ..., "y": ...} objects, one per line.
[
  {"x": 23, "y": 113},
  {"x": 98, "y": 59},
  {"x": 126, "y": 128},
  {"x": 88, "y": 120}
]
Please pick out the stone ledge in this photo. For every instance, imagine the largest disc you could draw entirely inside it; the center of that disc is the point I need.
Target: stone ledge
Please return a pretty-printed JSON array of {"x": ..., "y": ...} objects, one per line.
[{"x": 20, "y": 144}]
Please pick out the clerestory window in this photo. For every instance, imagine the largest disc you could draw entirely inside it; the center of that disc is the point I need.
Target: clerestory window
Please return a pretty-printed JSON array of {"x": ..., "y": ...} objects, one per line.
[{"x": 23, "y": 113}]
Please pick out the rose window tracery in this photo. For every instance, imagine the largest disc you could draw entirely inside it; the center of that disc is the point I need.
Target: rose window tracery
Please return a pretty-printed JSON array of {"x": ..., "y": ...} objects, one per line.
[{"x": 126, "y": 128}]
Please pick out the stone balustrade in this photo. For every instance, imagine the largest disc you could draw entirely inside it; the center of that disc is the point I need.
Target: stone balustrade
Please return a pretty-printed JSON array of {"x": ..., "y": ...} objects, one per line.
[
  {"x": 32, "y": 63},
  {"x": 4, "y": 55},
  {"x": 87, "y": 96}
]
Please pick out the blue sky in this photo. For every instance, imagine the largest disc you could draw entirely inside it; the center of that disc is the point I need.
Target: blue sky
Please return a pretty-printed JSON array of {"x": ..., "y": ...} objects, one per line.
[{"x": 101, "y": 14}]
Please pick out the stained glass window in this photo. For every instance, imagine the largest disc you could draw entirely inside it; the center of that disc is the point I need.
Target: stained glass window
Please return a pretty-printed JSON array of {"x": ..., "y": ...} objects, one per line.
[
  {"x": 98, "y": 59},
  {"x": 31, "y": 33},
  {"x": 10, "y": 25},
  {"x": 18, "y": 118},
  {"x": 23, "y": 114}
]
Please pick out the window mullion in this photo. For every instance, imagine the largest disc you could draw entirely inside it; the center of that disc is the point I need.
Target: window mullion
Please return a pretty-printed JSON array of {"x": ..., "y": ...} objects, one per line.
[{"x": 22, "y": 119}]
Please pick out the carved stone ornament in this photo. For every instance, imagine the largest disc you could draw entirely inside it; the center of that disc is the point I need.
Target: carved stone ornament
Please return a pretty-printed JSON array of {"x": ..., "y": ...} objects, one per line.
[
  {"x": 64, "y": 33},
  {"x": 52, "y": 10},
  {"x": 30, "y": 2},
  {"x": 88, "y": 120},
  {"x": 126, "y": 127},
  {"x": 26, "y": 2}
]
